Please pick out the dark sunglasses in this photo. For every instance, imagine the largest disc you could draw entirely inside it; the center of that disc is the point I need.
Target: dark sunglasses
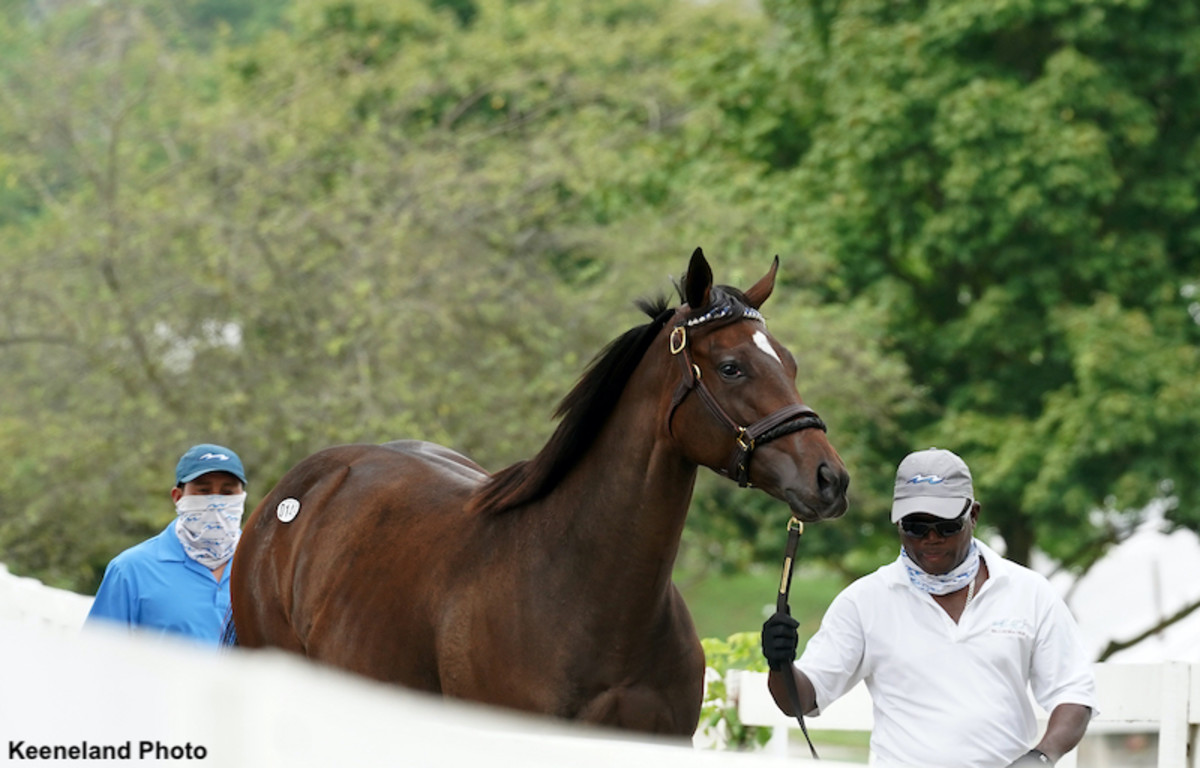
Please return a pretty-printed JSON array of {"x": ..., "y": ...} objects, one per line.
[{"x": 918, "y": 528}]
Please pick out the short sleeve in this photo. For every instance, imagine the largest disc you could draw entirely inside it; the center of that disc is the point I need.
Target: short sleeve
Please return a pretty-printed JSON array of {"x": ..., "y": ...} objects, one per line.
[
  {"x": 833, "y": 657},
  {"x": 1060, "y": 672},
  {"x": 115, "y": 601}
]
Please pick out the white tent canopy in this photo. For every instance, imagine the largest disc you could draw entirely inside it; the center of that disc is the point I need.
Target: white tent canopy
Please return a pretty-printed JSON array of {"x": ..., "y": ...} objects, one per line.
[{"x": 1150, "y": 576}]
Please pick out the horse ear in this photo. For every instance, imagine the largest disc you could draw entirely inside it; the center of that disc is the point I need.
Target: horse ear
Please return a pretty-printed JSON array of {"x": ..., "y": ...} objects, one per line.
[
  {"x": 698, "y": 281},
  {"x": 761, "y": 290}
]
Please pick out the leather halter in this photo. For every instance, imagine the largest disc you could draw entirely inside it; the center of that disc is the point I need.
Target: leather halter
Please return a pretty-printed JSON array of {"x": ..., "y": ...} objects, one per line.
[{"x": 788, "y": 419}]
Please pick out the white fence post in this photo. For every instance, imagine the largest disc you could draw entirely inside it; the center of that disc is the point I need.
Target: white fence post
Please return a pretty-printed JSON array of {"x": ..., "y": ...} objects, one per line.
[
  {"x": 1173, "y": 716},
  {"x": 1193, "y": 714}
]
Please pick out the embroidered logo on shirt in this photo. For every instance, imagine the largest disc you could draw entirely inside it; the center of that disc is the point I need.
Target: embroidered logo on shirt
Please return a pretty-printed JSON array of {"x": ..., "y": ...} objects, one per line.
[{"x": 1016, "y": 627}]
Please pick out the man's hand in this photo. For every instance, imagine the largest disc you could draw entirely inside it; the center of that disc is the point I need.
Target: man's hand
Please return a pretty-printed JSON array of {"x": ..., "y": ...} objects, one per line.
[
  {"x": 779, "y": 641},
  {"x": 1031, "y": 758}
]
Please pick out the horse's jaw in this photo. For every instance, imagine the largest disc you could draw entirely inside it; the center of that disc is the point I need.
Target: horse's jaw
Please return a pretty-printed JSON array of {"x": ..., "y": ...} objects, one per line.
[{"x": 807, "y": 512}]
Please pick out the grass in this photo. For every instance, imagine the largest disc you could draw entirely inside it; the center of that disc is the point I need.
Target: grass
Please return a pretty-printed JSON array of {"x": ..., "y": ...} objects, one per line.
[
  {"x": 723, "y": 605},
  {"x": 843, "y": 746}
]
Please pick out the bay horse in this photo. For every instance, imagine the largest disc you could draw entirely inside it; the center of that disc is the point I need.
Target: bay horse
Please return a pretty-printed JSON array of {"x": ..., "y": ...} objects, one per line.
[{"x": 545, "y": 587}]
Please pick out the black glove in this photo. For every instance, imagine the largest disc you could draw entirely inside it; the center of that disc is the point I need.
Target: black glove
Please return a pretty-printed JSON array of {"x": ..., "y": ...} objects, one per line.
[
  {"x": 1031, "y": 758},
  {"x": 779, "y": 640}
]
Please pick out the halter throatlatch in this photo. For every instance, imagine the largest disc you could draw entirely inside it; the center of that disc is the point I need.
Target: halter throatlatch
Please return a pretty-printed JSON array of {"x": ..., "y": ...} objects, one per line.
[{"x": 788, "y": 419}]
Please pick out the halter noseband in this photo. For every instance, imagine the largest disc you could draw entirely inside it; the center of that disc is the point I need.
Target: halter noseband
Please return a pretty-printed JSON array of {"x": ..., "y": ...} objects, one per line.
[{"x": 788, "y": 419}]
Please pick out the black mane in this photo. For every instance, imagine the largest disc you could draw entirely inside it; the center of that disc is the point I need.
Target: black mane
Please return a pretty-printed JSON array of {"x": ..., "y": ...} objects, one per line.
[{"x": 584, "y": 410}]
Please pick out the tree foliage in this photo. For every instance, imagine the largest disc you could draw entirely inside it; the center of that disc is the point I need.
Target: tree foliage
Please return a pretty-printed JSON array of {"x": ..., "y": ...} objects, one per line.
[
  {"x": 1014, "y": 185},
  {"x": 376, "y": 221},
  {"x": 332, "y": 221}
]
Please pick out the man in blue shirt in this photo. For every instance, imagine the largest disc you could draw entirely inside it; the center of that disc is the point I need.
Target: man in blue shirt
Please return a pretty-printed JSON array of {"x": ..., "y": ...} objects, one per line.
[{"x": 178, "y": 582}]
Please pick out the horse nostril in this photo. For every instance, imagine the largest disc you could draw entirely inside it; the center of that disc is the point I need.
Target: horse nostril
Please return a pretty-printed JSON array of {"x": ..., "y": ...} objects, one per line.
[{"x": 830, "y": 482}]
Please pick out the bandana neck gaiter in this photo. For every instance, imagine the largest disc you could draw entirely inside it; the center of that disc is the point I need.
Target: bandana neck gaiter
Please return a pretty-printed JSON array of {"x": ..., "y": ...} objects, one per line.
[
  {"x": 943, "y": 583},
  {"x": 209, "y": 527}
]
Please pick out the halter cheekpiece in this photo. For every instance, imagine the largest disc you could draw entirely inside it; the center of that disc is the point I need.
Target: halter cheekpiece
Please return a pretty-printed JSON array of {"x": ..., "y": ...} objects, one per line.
[{"x": 788, "y": 419}]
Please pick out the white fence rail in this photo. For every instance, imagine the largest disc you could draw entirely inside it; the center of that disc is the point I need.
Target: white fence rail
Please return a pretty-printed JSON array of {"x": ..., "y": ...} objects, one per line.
[
  {"x": 1160, "y": 700},
  {"x": 160, "y": 703},
  {"x": 28, "y": 601},
  {"x": 104, "y": 697},
  {"x": 59, "y": 687}
]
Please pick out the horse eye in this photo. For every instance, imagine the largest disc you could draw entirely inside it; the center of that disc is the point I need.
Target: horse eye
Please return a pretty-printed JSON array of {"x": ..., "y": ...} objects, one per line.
[{"x": 729, "y": 370}]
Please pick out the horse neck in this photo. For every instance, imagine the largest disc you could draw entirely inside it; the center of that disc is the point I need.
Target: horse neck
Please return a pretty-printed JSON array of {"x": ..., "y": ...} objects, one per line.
[{"x": 623, "y": 507}]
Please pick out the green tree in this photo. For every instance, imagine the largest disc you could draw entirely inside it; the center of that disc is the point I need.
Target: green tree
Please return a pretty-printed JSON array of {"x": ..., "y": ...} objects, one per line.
[
  {"x": 375, "y": 221},
  {"x": 1014, "y": 186}
]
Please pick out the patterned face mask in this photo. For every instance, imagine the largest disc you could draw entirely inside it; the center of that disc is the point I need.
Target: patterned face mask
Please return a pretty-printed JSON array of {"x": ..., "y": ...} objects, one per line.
[
  {"x": 943, "y": 583},
  {"x": 209, "y": 526}
]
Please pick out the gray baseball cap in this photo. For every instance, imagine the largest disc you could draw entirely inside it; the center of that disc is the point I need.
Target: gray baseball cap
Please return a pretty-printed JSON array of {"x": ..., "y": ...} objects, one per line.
[{"x": 933, "y": 481}]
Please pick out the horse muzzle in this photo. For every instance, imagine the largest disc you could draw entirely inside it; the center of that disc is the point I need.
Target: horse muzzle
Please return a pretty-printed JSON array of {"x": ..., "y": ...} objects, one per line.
[{"x": 824, "y": 498}]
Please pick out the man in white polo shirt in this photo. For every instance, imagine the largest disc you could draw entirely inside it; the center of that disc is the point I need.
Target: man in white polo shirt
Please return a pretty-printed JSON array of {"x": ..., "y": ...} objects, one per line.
[{"x": 949, "y": 639}]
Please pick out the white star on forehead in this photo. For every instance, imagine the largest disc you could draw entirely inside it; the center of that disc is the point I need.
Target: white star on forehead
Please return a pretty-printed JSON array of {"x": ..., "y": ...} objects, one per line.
[{"x": 761, "y": 341}]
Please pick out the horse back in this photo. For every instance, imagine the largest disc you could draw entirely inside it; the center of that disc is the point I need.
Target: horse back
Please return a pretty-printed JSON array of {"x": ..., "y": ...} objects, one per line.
[{"x": 354, "y": 525}]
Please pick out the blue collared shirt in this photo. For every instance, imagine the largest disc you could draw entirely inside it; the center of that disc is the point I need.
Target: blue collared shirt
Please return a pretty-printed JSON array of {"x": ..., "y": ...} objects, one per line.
[{"x": 156, "y": 587}]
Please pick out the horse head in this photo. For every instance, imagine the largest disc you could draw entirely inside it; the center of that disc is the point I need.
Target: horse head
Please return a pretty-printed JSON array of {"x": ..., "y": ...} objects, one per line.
[{"x": 736, "y": 409}]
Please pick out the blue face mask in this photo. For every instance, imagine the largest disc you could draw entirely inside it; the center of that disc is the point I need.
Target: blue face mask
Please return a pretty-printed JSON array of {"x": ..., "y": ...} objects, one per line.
[{"x": 209, "y": 527}]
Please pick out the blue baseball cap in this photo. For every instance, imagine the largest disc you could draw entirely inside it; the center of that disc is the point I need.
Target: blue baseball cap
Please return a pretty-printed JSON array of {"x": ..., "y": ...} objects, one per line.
[{"x": 208, "y": 457}]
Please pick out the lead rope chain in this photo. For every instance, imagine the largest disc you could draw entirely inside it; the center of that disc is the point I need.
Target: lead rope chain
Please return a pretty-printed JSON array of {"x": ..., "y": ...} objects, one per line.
[{"x": 795, "y": 528}]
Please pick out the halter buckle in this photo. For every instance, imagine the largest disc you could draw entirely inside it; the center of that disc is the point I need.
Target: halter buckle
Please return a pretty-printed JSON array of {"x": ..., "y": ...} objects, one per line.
[
  {"x": 742, "y": 442},
  {"x": 678, "y": 339}
]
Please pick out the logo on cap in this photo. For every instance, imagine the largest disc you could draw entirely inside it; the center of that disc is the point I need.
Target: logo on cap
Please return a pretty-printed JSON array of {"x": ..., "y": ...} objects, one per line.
[
  {"x": 217, "y": 456},
  {"x": 931, "y": 479}
]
